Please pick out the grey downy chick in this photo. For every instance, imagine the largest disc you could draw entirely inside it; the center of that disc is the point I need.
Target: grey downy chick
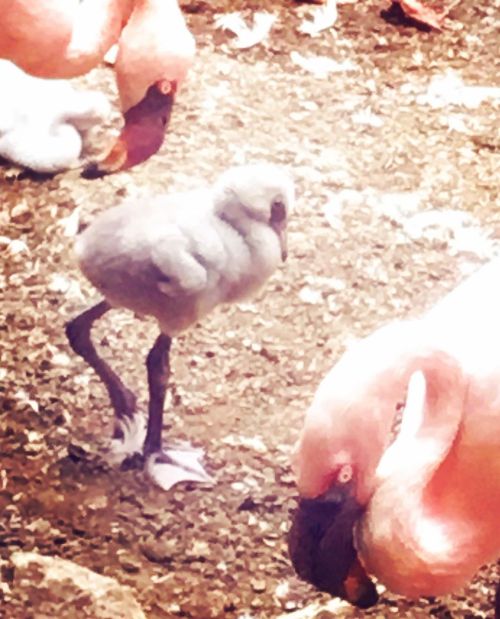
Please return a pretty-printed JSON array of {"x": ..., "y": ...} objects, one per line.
[{"x": 176, "y": 258}]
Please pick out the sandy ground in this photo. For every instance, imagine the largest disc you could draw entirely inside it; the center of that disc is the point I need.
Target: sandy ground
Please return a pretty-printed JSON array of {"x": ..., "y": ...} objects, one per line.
[{"x": 397, "y": 199}]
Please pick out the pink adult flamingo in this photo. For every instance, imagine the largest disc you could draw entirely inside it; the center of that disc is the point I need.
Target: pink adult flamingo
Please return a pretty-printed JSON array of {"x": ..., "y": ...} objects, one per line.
[
  {"x": 421, "y": 513},
  {"x": 67, "y": 38}
]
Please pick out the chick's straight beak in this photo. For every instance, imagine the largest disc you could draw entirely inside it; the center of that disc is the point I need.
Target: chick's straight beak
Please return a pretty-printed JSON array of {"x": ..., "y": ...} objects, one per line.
[
  {"x": 283, "y": 238},
  {"x": 142, "y": 134}
]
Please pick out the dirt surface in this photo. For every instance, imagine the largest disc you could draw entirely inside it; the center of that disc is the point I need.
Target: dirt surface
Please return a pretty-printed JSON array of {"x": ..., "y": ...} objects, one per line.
[{"x": 244, "y": 377}]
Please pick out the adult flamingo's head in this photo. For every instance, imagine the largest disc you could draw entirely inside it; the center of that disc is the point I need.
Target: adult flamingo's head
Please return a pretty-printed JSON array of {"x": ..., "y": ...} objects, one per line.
[
  {"x": 155, "y": 52},
  {"x": 346, "y": 430},
  {"x": 348, "y": 424}
]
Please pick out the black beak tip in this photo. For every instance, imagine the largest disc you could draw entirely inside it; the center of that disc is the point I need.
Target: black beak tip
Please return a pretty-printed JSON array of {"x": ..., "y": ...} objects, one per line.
[
  {"x": 93, "y": 171},
  {"x": 369, "y": 597}
]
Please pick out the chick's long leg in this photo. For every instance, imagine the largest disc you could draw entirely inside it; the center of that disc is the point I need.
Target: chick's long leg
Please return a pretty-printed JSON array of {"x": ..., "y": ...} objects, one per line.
[
  {"x": 166, "y": 467},
  {"x": 158, "y": 367},
  {"x": 78, "y": 332}
]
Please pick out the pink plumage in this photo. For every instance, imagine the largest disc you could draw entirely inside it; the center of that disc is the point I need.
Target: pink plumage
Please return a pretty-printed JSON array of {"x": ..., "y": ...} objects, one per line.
[
  {"x": 431, "y": 498},
  {"x": 66, "y": 38}
]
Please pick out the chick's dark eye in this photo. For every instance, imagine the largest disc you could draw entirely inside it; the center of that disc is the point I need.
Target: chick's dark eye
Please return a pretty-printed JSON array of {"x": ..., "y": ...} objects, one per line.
[{"x": 278, "y": 212}]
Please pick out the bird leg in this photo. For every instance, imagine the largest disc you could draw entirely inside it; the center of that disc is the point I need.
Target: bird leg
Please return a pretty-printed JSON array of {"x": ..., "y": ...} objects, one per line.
[
  {"x": 78, "y": 332},
  {"x": 166, "y": 467},
  {"x": 158, "y": 367}
]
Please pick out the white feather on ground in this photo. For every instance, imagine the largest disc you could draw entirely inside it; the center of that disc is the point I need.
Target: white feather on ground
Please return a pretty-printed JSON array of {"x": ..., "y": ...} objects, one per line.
[
  {"x": 323, "y": 18},
  {"x": 246, "y": 36}
]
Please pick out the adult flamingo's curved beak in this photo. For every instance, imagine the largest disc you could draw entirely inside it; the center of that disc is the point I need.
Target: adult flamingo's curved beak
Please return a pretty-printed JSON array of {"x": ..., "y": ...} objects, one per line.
[
  {"x": 321, "y": 546},
  {"x": 143, "y": 133}
]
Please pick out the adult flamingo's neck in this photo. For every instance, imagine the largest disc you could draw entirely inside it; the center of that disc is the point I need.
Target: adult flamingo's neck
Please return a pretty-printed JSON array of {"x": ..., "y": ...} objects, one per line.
[
  {"x": 96, "y": 28},
  {"x": 408, "y": 538}
]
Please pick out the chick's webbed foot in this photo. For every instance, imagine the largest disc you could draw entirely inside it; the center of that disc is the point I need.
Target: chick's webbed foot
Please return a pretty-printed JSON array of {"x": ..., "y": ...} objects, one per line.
[
  {"x": 128, "y": 436},
  {"x": 166, "y": 467},
  {"x": 176, "y": 464}
]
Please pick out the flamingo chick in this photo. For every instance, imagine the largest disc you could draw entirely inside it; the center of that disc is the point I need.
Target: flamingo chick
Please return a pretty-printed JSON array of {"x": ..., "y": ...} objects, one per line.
[
  {"x": 44, "y": 124},
  {"x": 175, "y": 258},
  {"x": 67, "y": 38},
  {"x": 420, "y": 512}
]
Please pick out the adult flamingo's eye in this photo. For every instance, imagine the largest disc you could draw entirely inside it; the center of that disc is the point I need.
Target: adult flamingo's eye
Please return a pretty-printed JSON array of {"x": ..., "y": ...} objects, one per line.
[{"x": 345, "y": 474}]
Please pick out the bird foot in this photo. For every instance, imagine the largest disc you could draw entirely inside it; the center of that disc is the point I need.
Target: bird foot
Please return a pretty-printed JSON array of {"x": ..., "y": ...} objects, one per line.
[
  {"x": 172, "y": 466},
  {"x": 128, "y": 437}
]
